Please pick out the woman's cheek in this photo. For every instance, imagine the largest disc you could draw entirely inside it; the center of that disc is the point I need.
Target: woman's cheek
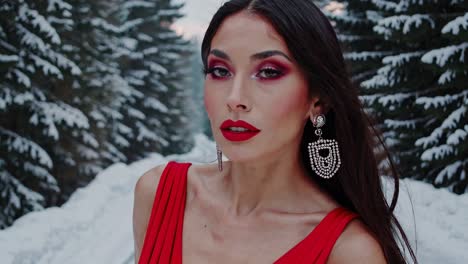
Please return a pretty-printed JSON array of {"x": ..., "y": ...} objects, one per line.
[{"x": 295, "y": 101}]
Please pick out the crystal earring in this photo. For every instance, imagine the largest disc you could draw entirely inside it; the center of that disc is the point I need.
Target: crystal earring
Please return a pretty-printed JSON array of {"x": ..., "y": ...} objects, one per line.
[
  {"x": 323, "y": 166},
  {"x": 220, "y": 158}
]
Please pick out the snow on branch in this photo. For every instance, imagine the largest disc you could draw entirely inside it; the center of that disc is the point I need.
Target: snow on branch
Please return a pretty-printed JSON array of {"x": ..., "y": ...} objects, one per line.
[
  {"x": 397, "y": 98},
  {"x": 395, "y": 124},
  {"x": 458, "y": 136},
  {"x": 55, "y": 5},
  {"x": 447, "y": 77},
  {"x": 32, "y": 17},
  {"x": 19, "y": 194},
  {"x": 403, "y": 23},
  {"x": 347, "y": 18},
  {"x": 89, "y": 138},
  {"x": 437, "y": 153},
  {"x": 447, "y": 54},
  {"x": 449, "y": 172},
  {"x": 155, "y": 104},
  {"x": 132, "y": 112},
  {"x": 8, "y": 58},
  {"x": 369, "y": 99},
  {"x": 169, "y": 12},
  {"x": 401, "y": 59},
  {"x": 86, "y": 152},
  {"x": 63, "y": 62},
  {"x": 16, "y": 143},
  {"x": 455, "y": 26},
  {"x": 385, "y": 77},
  {"x": 103, "y": 24},
  {"x": 145, "y": 134},
  {"x": 365, "y": 55},
  {"x": 42, "y": 174},
  {"x": 156, "y": 67},
  {"x": 46, "y": 67},
  {"x": 441, "y": 101},
  {"x": 52, "y": 113},
  {"x": 449, "y": 123},
  {"x": 391, "y": 6},
  {"x": 21, "y": 77},
  {"x": 138, "y": 4},
  {"x": 30, "y": 39},
  {"x": 6, "y": 98}
]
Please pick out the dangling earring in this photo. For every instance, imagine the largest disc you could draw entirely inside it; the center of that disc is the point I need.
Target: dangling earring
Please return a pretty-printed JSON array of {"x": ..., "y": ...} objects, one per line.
[
  {"x": 220, "y": 158},
  {"x": 327, "y": 166}
]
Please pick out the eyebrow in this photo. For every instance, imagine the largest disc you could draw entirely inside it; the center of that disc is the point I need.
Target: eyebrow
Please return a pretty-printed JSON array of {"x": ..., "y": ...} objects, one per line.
[{"x": 257, "y": 56}]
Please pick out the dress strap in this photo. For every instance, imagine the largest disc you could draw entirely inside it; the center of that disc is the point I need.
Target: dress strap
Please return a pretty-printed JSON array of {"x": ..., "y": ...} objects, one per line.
[
  {"x": 316, "y": 247},
  {"x": 341, "y": 220},
  {"x": 164, "y": 231}
]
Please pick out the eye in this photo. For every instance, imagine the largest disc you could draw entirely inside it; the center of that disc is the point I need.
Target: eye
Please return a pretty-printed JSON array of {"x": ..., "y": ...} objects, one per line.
[
  {"x": 219, "y": 72},
  {"x": 269, "y": 73}
]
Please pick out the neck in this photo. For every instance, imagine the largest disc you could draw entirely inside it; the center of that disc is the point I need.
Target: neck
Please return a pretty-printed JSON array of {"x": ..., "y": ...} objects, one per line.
[{"x": 264, "y": 184}]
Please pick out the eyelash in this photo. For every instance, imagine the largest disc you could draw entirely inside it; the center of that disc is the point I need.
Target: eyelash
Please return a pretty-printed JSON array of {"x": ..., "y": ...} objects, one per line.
[{"x": 268, "y": 70}]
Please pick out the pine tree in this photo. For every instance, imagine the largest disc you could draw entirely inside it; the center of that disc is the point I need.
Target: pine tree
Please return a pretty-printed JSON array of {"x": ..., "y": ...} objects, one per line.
[
  {"x": 85, "y": 84},
  {"x": 102, "y": 91},
  {"x": 33, "y": 65},
  {"x": 154, "y": 66},
  {"x": 363, "y": 52},
  {"x": 445, "y": 144},
  {"x": 412, "y": 81}
]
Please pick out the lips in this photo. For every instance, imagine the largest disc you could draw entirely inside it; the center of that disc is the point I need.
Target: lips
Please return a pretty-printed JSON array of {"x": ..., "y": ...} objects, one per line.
[{"x": 237, "y": 136}]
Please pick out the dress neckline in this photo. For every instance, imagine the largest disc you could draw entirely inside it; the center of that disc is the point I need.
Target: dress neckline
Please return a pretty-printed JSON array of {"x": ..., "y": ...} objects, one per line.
[{"x": 290, "y": 251}]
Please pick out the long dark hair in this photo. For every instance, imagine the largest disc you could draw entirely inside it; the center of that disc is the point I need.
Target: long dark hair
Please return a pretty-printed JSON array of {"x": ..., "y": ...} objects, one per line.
[{"x": 314, "y": 46}]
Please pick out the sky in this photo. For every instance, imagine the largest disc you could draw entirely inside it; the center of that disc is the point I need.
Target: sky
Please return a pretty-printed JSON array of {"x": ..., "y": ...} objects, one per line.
[{"x": 198, "y": 14}]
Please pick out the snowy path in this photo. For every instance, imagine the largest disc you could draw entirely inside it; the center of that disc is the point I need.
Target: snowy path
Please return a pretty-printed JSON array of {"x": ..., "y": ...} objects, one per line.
[{"x": 94, "y": 226}]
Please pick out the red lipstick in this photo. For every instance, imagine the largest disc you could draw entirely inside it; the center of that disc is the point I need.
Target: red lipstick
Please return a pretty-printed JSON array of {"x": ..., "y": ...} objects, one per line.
[{"x": 238, "y": 130}]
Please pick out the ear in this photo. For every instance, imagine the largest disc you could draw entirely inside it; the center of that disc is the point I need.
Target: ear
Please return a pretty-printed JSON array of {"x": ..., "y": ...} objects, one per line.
[{"x": 317, "y": 107}]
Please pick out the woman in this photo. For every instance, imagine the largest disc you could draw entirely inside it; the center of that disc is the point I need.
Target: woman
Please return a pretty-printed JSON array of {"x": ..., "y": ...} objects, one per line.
[{"x": 301, "y": 184}]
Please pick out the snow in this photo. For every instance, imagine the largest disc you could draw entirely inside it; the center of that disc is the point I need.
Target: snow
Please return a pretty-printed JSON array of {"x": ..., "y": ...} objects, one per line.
[
  {"x": 63, "y": 113},
  {"x": 364, "y": 55},
  {"x": 455, "y": 26},
  {"x": 458, "y": 136},
  {"x": 437, "y": 152},
  {"x": 404, "y": 23},
  {"x": 8, "y": 58},
  {"x": 385, "y": 76},
  {"x": 137, "y": 4},
  {"x": 155, "y": 104},
  {"x": 447, "y": 77},
  {"x": 390, "y": 5},
  {"x": 30, "y": 39},
  {"x": 47, "y": 67},
  {"x": 394, "y": 98},
  {"x": 443, "y": 55},
  {"x": 448, "y": 172},
  {"x": 449, "y": 123},
  {"x": 396, "y": 124},
  {"x": 95, "y": 225},
  {"x": 441, "y": 101},
  {"x": 98, "y": 22},
  {"x": 401, "y": 59},
  {"x": 18, "y": 144},
  {"x": 32, "y": 17},
  {"x": 58, "y": 5}
]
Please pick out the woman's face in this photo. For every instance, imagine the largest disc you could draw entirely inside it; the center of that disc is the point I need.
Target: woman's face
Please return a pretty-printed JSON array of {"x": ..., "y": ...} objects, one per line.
[{"x": 252, "y": 77}]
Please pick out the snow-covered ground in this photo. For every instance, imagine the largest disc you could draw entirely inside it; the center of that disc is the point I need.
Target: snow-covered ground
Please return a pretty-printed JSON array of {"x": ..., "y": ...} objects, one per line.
[{"x": 95, "y": 225}]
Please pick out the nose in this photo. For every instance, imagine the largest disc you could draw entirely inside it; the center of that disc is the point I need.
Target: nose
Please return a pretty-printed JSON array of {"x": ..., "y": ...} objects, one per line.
[{"x": 237, "y": 100}]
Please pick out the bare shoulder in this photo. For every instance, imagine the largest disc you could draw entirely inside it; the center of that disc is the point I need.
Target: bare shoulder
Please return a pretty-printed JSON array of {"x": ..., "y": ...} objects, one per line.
[
  {"x": 145, "y": 190},
  {"x": 357, "y": 245}
]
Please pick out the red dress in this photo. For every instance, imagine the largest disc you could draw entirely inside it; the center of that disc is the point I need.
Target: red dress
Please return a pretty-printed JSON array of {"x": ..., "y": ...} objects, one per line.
[{"x": 163, "y": 239}]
